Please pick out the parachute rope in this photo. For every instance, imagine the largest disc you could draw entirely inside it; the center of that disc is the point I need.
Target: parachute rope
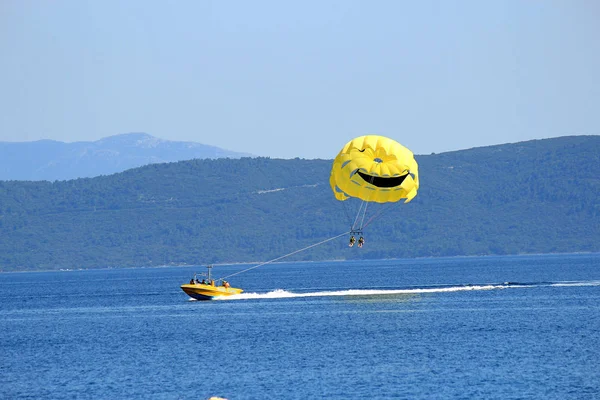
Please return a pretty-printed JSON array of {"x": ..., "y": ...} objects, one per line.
[
  {"x": 364, "y": 212},
  {"x": 385, "y": 210},
  {"x": 362, "y": 222},
  {"x": 354, "y": 224},
  {"x": 287, "y": 255}
]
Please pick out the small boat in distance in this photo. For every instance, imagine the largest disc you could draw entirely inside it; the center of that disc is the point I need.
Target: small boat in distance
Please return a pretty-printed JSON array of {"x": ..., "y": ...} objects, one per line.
[{"x": 207, "y": 288}]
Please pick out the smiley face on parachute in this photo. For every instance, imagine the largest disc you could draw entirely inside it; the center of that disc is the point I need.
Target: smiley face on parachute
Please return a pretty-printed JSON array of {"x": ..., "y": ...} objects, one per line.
[{"x": 374, "y": 168}]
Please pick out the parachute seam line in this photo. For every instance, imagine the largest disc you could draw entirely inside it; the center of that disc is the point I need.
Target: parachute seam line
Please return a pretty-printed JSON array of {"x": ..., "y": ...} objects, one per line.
[{"x": 287, "y": 255}]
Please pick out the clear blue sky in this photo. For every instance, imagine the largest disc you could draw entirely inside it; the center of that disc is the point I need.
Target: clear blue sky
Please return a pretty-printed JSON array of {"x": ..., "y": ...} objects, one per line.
[{"x": 300, "y": 78}]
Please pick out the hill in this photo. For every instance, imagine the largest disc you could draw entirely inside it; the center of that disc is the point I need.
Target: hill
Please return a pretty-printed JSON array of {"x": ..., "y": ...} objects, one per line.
[
  {"x": 532, "y": 197},
  {"x": 51, "y": 160}
]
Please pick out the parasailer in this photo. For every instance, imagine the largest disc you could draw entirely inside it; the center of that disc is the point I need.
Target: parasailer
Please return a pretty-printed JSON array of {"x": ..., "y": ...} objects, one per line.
[
  {"x": 376, "y": 169},
  {"x": 361, "y": 241}
]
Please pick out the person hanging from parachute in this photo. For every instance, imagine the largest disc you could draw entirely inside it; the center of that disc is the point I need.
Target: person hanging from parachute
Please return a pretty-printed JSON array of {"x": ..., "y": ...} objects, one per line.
[
  {"x": 373, "y": 169},
  {"x": 352, "y": 241}
]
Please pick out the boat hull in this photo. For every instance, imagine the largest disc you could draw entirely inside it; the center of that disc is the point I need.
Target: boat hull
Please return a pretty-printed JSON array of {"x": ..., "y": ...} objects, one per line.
[{"x": 200, "y": 291}]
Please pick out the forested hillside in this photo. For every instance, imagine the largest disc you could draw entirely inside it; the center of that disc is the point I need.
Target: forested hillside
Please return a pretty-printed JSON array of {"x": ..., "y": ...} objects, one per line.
[{"x": 531, "y": 197}]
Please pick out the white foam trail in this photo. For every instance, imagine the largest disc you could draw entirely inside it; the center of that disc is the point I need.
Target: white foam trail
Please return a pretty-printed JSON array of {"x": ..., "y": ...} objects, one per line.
[
  {"x": 283, "y": 294},
  {"x": 577, "y": 283}
]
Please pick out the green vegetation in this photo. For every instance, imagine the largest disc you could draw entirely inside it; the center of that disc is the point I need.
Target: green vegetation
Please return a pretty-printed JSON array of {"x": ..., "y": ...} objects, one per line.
[{"x": 531, "y": 197}]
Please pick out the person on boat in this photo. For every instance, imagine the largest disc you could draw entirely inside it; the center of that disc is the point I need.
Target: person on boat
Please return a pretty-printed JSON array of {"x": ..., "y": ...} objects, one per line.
[
  {"x": 352, "y": 240},
  {"x": 361, "y": 241},
  {"x": 226, "y": 284},
  {"x": 203, "y": 281},
  {"x": 192, "y": 281}
]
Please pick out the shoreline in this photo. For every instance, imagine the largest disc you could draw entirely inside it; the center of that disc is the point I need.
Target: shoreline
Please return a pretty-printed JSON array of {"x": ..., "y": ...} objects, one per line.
[{"x": 249, "y": 263}]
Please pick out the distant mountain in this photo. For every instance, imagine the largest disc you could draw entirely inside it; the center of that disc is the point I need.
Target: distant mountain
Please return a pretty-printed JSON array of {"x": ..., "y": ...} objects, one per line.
[
  {"x": 52, "y": 160},
  {"x": 541, "y": 196}
]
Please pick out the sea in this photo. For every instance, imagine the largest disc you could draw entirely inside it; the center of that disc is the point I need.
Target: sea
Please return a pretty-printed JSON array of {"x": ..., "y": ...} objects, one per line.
[{"x": 506, "y": 327}]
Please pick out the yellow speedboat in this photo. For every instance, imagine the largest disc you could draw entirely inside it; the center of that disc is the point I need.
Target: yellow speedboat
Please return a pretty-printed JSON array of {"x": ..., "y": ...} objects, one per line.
[{"x": 208, "y": 289}]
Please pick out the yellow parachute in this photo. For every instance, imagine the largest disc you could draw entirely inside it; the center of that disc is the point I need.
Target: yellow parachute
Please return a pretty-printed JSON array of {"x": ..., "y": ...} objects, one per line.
[{"x": 375, "y": 168}]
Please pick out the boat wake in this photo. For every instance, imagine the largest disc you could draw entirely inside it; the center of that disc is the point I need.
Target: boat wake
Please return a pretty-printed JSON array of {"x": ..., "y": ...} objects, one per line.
[
  {"x": 577, "y": 283},
  {"x": 283, "y": 294}
]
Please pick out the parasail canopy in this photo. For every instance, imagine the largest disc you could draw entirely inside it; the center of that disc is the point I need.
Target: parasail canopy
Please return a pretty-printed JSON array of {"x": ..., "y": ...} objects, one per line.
[{"x": 374, "y": 168}]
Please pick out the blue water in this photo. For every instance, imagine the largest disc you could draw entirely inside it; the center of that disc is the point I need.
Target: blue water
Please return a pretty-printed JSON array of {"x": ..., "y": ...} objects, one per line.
[{"x": 517, "y": 327}]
